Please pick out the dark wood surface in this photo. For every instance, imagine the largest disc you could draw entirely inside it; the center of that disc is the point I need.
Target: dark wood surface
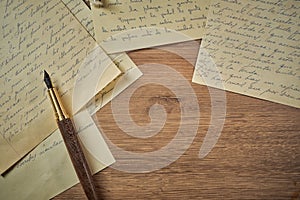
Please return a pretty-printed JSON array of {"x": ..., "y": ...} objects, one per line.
[{"x": 256, "y": 157}]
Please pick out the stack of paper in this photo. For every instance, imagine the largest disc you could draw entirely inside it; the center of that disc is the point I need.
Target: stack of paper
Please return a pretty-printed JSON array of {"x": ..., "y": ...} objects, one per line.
[
  {"x": 45, "y": 35},
  {"x": 248, "y": 47}
]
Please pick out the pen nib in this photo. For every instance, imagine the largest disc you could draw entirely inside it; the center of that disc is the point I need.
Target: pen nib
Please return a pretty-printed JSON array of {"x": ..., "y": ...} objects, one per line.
[{"x": 47, "y": 80}]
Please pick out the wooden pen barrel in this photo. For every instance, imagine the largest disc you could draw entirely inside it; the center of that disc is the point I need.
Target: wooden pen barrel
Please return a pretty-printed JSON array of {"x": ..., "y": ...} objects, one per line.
[{"x": 77, "y": 157}]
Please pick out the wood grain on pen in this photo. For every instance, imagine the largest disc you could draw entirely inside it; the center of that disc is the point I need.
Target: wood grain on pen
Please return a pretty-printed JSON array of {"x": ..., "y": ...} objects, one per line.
[
  {"x": 69, "y": 135},
  {"x": 77, "y": 157}
]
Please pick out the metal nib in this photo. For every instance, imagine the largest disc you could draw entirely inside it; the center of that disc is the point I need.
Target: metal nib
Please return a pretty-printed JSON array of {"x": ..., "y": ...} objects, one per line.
[{"x": 47, "y": 80}]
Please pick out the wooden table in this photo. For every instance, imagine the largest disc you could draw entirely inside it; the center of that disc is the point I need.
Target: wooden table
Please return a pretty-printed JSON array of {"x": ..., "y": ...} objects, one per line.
[{"x": 257, "y": 155}]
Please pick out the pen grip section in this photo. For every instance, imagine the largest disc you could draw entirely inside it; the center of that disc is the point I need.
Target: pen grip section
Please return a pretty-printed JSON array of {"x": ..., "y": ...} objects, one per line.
[{"x": 81, "y": 167}]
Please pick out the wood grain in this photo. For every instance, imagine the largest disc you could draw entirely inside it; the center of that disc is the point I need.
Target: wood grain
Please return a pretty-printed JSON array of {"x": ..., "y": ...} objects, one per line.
[
  {"x": 256, "y": 157},
  {"x": 81, "y": 167}
]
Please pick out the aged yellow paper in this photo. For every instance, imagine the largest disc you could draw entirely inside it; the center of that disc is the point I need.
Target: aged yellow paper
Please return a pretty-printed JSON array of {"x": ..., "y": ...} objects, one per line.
[
  {"x": 253, "y": 48},
  {"x": 123, "y": 62},
  {"x": 82, "y": 13},
  {"x": 37, "y": 35},
  {"x": 48, "y": 166},
  {"x": 130, "y": 73},
  {"x": 47, "y": 170},
  {"x": 123, "y": 25}
]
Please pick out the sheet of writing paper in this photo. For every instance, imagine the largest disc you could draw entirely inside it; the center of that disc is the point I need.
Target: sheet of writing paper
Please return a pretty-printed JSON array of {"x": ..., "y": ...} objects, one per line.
[
  {"x": 82, "y": 13},
  {"x": 47, "y": 170},
  {"x": 92, "y": 78},
  {"x": 130, "y": 73},
  {"x": 53, "y": 170},
  {"x": 123, "y": 62},
  {"x": 255, "y": 46},
  {"x": 120, "y": 24},
  {"x": 36, "y": 35}
]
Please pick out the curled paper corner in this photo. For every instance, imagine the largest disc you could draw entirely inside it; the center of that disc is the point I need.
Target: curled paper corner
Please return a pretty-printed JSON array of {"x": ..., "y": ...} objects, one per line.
[
  {"x": 89, "y": 134},
  {"x": 91, "y": 138},
  {"x": 96, "y": 72}
]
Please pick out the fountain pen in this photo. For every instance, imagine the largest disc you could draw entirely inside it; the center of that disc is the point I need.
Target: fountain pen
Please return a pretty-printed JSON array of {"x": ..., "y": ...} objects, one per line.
[{"x": 71, "y": 140}]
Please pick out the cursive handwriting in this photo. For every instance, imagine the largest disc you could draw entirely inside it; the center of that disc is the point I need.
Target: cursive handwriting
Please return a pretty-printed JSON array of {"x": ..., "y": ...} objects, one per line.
[
  {"x": 255, "y": 46},
  {"x": 184, "y": 16},
  {"x": 82, "y": 13},
  {"x": 35, "y": 36}
]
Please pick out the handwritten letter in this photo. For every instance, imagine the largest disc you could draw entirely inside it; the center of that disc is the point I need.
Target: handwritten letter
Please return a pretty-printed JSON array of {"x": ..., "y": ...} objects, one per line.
[
  {"x": 255, "y": 46},
  {"x": 36, "y": 35},
  {"x": 82, "y": 13},
  {"x": 49, "y": 168},
  {"x": 49, "y": 161},
  {"x": 150, "y": 19}
]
